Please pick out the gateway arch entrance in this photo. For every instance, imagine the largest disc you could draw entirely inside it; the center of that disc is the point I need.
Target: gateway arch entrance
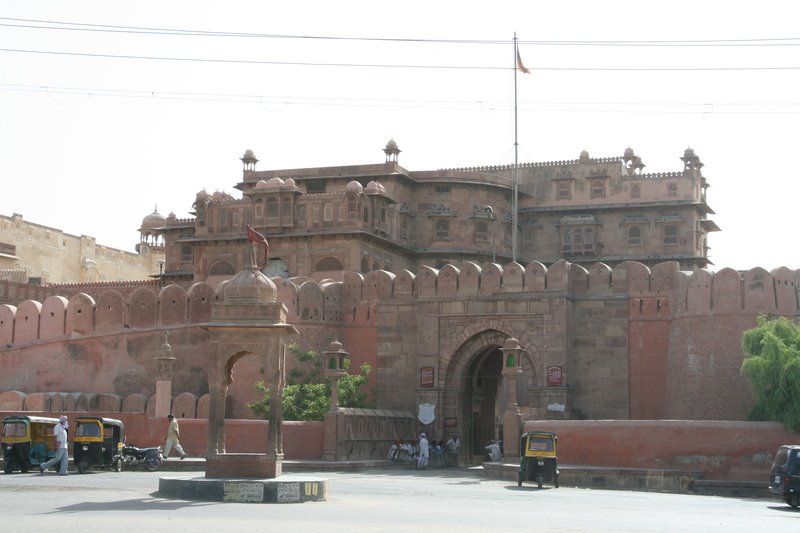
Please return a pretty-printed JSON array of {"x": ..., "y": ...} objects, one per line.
[
  {"x": 481, "y": 390},
  {"x": 477, "y": 393}
]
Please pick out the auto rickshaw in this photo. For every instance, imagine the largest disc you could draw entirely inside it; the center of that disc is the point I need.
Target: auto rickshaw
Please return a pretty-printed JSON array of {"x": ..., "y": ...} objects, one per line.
[
  {"x": 98, "y": 442},
  {"x": 538, "y": 458},
  {"x": 27, "y": 442}
]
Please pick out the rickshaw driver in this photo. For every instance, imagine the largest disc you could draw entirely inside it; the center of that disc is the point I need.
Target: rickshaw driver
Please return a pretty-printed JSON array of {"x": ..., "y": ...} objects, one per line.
[{"x": 60, "y": 432}]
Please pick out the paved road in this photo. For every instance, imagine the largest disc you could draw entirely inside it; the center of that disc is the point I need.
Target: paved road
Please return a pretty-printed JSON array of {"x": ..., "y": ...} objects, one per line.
[{"x": 376, "y": 500}]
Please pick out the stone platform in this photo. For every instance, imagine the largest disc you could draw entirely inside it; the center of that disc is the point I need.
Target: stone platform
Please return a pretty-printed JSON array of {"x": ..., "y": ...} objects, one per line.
[{"x": 289, "y": 488}]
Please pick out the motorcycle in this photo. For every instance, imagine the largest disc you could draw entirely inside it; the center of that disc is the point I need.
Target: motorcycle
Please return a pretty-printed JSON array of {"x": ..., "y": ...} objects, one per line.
[{"x": 130, "y": 456}]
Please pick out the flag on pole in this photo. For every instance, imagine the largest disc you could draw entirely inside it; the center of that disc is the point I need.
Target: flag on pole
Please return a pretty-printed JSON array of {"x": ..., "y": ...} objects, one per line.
[
  {"x": 256, "y": 238},
  {"x": 520, "y": 66}
]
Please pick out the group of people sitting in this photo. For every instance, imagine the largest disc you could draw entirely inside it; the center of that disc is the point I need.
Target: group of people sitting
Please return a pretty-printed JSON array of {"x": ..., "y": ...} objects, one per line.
[{"x": 421, "y": 452}]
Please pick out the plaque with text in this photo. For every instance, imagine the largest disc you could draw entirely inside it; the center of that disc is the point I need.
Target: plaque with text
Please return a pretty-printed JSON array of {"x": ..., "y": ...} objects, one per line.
[
  {"x": 426, "y": 375},
  {"x": 554, "y": 376},
  {"x": 238, "y": 491}
]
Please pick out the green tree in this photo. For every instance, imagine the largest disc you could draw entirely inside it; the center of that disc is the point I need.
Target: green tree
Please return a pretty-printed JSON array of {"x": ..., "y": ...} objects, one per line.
[
  {"x": 307, "y": 395},
  {"x": 772, "y": 364}
]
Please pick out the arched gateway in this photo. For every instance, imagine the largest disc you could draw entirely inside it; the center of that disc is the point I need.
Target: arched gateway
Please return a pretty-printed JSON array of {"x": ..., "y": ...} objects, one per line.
[{"x": 476, "y": 394}]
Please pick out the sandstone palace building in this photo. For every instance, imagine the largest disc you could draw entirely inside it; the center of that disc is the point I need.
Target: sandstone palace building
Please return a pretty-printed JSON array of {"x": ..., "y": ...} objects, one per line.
[{"x": 609, "y": 291}]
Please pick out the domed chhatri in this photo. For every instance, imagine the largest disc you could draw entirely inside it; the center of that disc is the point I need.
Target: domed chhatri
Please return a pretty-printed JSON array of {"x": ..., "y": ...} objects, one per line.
[
  {"x": 250, "y": 286},
  {"x": 391, "y": 151},
  {"x": 153, "y": 220}
]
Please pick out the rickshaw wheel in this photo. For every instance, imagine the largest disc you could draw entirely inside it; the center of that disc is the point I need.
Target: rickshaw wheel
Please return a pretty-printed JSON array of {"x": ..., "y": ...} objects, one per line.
[
  {"x": 8, "y": 467},
  {"x": 24, "y": 470},
  {"x": 82, "y": 467},
  {"x": 117, "y": 465}
]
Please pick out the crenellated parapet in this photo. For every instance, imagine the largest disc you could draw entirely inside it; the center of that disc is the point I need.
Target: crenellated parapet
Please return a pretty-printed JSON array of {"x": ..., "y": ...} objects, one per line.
[{"x": 655, "y": 293}]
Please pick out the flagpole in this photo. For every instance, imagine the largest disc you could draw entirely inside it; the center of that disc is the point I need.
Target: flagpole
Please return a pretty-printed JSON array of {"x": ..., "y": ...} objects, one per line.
[{"x": 514, "y": 180}]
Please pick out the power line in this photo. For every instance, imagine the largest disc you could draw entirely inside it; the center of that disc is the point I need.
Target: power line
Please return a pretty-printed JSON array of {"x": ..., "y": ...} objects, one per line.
[
  {"x": 401, "y": 66},
  {"x": 708, "y": 108},
  {"x": 80, "y": 26}
]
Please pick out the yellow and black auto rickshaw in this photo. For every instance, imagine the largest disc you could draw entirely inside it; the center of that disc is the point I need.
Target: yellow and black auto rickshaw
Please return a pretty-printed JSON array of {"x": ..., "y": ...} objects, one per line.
[
  {"x": 98, "y": 442},
  {"x": 538, "y": 458},
  {"x": 27, "y": 442}
]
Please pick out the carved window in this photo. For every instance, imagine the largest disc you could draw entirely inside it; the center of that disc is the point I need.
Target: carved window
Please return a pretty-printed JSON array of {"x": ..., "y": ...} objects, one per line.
[
  {"x": 563, "y": 190},
  {"x": 441, "y": 229},
  {"x": 259, "y": 208},
  {"x": 286, "y": 209},
  {"x": 364, "y": 265},
  {"x": 672, "y": 189},
  {"x": 272, "y": 207},
  {"x": 327, "y": 213},
  {"x": 670, "y": 235},
  {"x": 404, "y": 227},
  {"x": 634, "y": 236},
  {"x": 186, "y": 252},
  {"x": 577, "y": 240},
  {"x": 482, "y": 230},
  {"x": 636, "y": 190},
  {"x": 351, "y": 204},
  {"x": 529, "y": 238},
  {"x": 598, "y": 188}
]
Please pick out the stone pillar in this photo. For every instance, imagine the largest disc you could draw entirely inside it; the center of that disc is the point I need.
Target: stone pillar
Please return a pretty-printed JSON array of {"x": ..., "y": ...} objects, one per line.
[
  {"x": 512, "y": 425},
  {"x": 335, "y": 367},
  {"x": 165, "y": 361}
]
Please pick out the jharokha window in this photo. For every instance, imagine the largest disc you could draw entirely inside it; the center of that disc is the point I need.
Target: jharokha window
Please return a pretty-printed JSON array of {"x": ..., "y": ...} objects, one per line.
[
  {"x": 441, "y": 229},
  {"x": 598, "y": 188},
  {"x": 563, "y": 190},
  {"x": 634, "y": 236},
  {"x": 670, "y": 235},
  {"x": 636, "y": 190}
]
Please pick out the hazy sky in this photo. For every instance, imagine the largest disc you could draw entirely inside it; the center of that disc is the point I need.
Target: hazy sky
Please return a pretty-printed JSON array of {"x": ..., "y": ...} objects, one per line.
[{"x": 108, "y": 109}]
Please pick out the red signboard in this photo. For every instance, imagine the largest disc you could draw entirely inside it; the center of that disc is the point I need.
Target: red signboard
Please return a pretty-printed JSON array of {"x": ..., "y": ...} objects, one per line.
[
  {"x": 554, "y": 376},
  {"x": 426, "y": 375}
]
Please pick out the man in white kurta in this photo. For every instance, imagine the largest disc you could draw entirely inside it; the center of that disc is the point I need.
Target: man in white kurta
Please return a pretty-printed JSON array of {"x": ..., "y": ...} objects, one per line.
[
  {"x": 173, "y": 438},
  {"x": 60, "y": 433}
]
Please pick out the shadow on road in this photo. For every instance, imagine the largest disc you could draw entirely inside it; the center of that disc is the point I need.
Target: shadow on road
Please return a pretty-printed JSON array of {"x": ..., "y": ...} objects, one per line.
[{"x": 136, "y": 504}]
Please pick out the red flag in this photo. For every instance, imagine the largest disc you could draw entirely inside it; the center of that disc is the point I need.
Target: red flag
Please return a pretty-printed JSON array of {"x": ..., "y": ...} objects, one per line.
[
  {"x": 256, "y": 238},
  {"x": 520, "y": 66}
]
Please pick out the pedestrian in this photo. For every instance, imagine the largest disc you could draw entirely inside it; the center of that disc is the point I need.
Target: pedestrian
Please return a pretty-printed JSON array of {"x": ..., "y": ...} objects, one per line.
[
  {"x": 424, "y": 451},
  {"x": 60, "y": 432},
  {"x": 452, "y": 451},
  {"x": 173, "y": 438}
]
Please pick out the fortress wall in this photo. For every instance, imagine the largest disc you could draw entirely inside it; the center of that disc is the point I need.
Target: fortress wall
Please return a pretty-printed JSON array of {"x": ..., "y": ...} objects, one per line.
[
  {"x": 597, "y": 344},
  {"x": 680, "y": 332},
  {"x": 685, "y": 338}
]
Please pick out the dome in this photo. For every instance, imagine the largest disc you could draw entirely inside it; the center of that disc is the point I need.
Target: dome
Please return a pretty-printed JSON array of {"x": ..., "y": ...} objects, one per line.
[
  {"x": 250, "y": 286},
  {"x": 391, "y": 145},
  {"x": 355, "y": 187},
  {"x": 290, "y": 184},
  {"x": 628, "y": 152},
  {"x": 584, "y": 155},
  {"x": 153, "y": 220},
  {"x": 274, "y": 183},
  {"x": 261, "y": 184},
  {"x": 248, "y": 154},
  {"x": 373, "y": 187},
  {"x": 689, "y": 152}
]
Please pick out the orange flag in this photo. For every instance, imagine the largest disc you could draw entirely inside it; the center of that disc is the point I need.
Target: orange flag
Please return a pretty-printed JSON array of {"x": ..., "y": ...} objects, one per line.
[
  {"x": 256, "y": 238},
  {"x": 520, "y": 66}
]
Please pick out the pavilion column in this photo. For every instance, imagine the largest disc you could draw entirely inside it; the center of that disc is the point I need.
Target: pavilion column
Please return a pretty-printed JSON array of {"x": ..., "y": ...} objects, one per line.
[{"x": 512, "y": 423}]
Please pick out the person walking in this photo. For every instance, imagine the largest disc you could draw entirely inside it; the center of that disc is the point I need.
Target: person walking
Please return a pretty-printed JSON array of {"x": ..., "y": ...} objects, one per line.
[
  {"x": 60, "y": 432},
  {"x": 173, "y": 438},
  {"x": 424, "y": 451}
]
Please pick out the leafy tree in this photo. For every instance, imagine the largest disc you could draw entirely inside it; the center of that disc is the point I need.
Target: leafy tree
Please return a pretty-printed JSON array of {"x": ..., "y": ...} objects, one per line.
[
  {"x": 773, "y": 367},
  {"x": 307, "y": 395}
]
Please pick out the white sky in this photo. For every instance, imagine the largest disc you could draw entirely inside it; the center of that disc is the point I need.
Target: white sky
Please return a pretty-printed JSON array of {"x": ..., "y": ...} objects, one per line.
[{"x": 91, "y": 144}]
